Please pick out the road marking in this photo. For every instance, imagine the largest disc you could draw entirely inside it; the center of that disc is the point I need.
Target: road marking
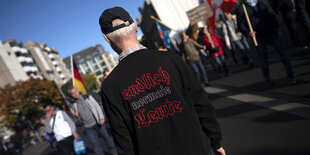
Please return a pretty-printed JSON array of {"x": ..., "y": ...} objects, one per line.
[
  {"x": 214, "y": 90},
  {"x": 289, "y": 106},
  {"x": 250, "y": 98},
  {"x": 298, "y": 109}
]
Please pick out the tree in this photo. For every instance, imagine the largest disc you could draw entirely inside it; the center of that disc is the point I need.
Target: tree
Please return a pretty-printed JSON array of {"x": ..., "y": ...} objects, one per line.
[
  {"x": 24, "y": 100},
  {"x": 90, "y": 81}
]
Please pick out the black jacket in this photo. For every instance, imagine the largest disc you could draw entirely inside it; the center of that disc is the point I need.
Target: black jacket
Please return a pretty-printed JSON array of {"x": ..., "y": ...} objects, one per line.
[
  {"x": 303, "y": 10},
  {"x": 156, "y": 106},
  {"x": 263, "y": 21}
]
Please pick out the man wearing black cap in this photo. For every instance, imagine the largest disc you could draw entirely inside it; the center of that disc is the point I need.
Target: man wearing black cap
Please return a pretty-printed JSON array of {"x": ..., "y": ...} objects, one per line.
[{"x": 155, "y": 104}]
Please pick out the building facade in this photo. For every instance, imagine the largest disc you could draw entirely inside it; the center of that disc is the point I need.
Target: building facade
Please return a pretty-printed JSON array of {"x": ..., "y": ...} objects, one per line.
[
  {"x": 16, "y": 63},
  {"x": 93, "y": 60},
  {"x": 49, "y": 62},
  {"x": 19, "y": 63}
]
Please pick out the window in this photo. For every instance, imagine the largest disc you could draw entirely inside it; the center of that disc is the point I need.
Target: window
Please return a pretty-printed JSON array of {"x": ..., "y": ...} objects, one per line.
[
  {"x": 88, "y": 71},
  {"x": 95, "y": 67},
  {"x": 49, "y": 72},
  {"x": 92, "y": 62},
  {"x": 81, "y": 61},
  {"x": 99, "y": 58},
  {"x": 24, "y": 63},
  {"x": 101, "y": 49},
  {"x": 84, "y": 65},
  {"x": 98, "y": 73},
  {"x": 94, "y": 54},
  {"x": 88, "y": 57}
]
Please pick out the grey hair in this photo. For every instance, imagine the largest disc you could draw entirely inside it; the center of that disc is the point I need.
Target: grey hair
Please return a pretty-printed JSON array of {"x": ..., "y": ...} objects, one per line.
[
  {"x": 70, "y": 88},
  {"x": 121, "y": 34}
]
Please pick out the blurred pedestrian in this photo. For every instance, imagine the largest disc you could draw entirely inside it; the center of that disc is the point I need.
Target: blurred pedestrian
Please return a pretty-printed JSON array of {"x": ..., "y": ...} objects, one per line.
[
  {"x": 153, "y": 100},
  {"x": 265, "y": 29},
  {"x": 93, "y": 119},
  {"x": 288, "y": 11},
  {"x": 12, "y": 146},
  {"x": 106, "y": 73},
  {"x": 191, "y": 53},
  {"x": 216, "y": 52},
  {"x": 303, "y": 11},
  {"x": 25, "y": 136},
  {"x": 3, "y": 149},
  {"x": 32, "y": 138},
  {"x": 59, "y": 124},
  {"x": 162, "y": 48},
  {"x": 50, "y": 137},
  {"x": 234, "y": 40}
]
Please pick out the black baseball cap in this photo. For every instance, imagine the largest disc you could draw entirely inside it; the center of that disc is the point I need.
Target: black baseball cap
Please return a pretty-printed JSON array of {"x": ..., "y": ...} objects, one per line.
[{"x": 109, "y": 15}]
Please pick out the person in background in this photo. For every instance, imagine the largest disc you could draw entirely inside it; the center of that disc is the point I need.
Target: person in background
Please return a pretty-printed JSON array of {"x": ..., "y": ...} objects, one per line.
[
  {"x": 303, "y": 11},
  {"x": 233, "y": 39},
  {"x": 63, "y": 128},
  {"x": 93, "y": 120},
  {"x": 191, "y": 54},
  {"x": 3, "y": 149},
  {"x": 106, "y": 73},
  {"x": 216, "y": 52},
  {"x": 265, "y": 29},
  {"x": 153, "y": 100},
  {"x": 12, "y": 146},
  {"x": 287, "y": 9}
]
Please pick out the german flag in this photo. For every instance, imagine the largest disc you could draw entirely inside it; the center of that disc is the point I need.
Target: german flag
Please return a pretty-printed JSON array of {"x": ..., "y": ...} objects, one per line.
[{"x": 77, "y": 79}]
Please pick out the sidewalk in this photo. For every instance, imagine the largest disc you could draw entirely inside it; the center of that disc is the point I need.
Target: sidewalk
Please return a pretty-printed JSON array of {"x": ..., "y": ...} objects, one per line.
[{"x": 36, "y": 149}]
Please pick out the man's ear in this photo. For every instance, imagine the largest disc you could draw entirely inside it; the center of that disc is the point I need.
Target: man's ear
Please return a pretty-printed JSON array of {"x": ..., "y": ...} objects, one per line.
[
  {"x": 106, "y": 38},
  {"x": 136, "y": 26}
]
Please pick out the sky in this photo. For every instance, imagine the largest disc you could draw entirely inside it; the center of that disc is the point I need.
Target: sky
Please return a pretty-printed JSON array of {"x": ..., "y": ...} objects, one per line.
[{"x": 68, "y": 25}]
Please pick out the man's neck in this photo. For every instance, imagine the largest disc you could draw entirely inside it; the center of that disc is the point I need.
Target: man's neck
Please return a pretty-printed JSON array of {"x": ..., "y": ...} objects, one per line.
[{"x": 129, "y": 44}]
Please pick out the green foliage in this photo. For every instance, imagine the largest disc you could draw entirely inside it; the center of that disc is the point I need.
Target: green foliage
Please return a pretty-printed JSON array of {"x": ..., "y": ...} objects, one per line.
[
  {"x": 90, "y": 81},
  {"x": 65, "y": 87},
  {"x": 25, "y": 100}
]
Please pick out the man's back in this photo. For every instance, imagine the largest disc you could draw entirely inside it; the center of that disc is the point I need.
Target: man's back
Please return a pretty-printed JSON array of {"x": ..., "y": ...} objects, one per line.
[{"x": 149, "y": 98}]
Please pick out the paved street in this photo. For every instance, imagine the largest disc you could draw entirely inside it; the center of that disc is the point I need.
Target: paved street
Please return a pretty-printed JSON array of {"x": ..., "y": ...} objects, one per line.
[
  {"x": 257, "y": 118},
  {"x": 256, "y": 125}
]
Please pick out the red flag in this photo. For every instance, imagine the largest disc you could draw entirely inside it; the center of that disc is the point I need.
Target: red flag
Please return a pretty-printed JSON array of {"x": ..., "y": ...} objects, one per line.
[
  {"x": 77, "y": 79},
  {"x": 227, "y": 5},
  {"x": 211, "y": 21}
]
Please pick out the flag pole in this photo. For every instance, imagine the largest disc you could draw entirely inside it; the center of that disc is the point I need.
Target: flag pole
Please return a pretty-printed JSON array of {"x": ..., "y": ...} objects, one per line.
[
  {"x": 161, "y": 22},
  {"x": 72, "y": 70},
  {"x": 75, "y": 106},
  {"x": 249, "y": 23}
]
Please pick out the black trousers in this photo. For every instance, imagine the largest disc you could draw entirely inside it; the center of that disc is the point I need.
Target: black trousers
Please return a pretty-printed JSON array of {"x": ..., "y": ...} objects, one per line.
[{"x": 65, "y": 146}]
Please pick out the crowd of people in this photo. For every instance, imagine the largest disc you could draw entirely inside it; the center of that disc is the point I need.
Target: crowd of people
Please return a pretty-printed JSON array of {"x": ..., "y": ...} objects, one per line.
[
  {"x": 154, "y": 101},
  {"x": 233, "y": 35},
  {"x": 60, "y": 129}
]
